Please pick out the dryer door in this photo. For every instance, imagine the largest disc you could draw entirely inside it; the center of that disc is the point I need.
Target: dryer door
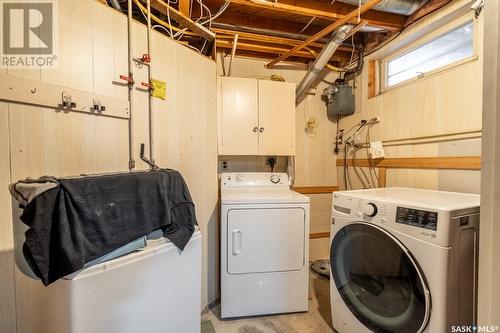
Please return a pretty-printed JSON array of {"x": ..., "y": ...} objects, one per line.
[
  {"x": 378, "y": 279},
  {"x": 265, "y": 240}
]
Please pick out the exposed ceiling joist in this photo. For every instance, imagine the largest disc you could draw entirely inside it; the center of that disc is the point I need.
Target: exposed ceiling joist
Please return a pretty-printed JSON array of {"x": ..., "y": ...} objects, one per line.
[
  {"x": 294, "y": 62},
  {"x": 327, "y": 11},
  {"x": 185, "y": 7},
  {"x": 346, "y": 19},
  {"x": 270, "y": 39},
  {"x": 272, "y": 49},
  {"x": 183, "y": 20},
  {"x": 264, "y": 22}
]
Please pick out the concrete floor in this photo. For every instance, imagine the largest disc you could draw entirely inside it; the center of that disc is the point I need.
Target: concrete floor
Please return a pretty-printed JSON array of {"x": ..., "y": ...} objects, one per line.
[{"x": 317, "y": 320}]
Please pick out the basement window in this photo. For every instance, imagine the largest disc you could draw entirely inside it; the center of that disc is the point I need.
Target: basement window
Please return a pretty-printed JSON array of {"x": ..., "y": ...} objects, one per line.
[{"x": 452, "y": 47}]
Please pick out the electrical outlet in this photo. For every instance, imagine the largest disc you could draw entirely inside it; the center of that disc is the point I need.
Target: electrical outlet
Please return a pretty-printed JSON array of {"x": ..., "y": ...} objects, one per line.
[
  {"x": 224, "y": 164},
  {"x": 269, "y": 157}
]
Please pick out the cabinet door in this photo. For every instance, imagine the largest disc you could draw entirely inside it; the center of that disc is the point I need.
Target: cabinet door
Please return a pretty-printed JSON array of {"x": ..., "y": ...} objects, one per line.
[
  {"x": 239, "y": 116},
  {"x": 276, "y": 118}
]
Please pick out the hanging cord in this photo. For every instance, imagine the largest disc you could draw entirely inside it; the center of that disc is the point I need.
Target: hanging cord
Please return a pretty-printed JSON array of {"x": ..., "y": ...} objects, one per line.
[
  {"x": 371, "y": 162},
  {"x": 359, "y": 171}
]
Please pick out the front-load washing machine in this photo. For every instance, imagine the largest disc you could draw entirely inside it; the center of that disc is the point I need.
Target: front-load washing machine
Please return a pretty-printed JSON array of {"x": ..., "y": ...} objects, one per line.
[{"x": 403, "y": 260}]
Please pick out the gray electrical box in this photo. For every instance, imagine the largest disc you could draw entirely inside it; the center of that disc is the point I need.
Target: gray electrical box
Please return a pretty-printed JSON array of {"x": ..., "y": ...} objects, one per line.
[{"x": 339, "y": 100}]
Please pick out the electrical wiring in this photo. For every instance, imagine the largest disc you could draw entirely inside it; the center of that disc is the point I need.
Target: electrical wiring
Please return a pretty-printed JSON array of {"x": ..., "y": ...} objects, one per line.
[
  {"x": 367, "y": 181},
  {"x": 343, "y": 133},
  {"x": 359, "y": 171},
  {"x": 169, "y": 22},
  {"x": 312, "y": 20},
  {"x": 219, "y": 12},
  {"x": 209, "y": 20},
  {"x": 160, "y": 21},
  {"x": 307, "y": 25}
]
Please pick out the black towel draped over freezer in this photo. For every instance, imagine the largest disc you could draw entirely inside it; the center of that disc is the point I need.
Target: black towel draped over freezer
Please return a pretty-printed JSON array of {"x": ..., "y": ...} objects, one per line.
[{"x": 85, "y": 218}]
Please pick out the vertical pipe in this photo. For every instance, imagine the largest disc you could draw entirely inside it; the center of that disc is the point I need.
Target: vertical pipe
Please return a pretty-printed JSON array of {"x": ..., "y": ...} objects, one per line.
[
  {"x": 233, "y": 52},
  {"x": 131, "y": 141},
  {"x": 150, "y": 98}
]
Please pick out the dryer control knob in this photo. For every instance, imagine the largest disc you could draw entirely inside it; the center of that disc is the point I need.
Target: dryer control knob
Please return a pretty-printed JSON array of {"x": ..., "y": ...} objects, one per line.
[
  {"x": 370, "y": 209},
  {"x": 275, "y": 179}
]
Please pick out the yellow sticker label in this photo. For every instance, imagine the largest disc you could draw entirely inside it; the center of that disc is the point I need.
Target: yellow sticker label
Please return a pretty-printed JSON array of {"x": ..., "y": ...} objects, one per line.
[{"x": 159, "y": 89}]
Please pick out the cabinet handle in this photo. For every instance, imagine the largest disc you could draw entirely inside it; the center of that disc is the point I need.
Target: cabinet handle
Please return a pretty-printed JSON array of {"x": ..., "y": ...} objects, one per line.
[
  {"x": 255, "y": 129},
  {"x": 261, "y": 129}
]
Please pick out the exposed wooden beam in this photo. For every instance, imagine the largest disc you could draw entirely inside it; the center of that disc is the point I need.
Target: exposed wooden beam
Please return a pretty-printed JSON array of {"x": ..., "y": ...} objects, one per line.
[
  {"x": 356, "y": 29},
  {"x": 222, "y": 33},
  {"x": 428, "y": 8},
  {"x": 185, "y": 7},
  {"x": 267, "y": 48},
  {"x": 346, "y": 19},
  {"x": 262, "y": 38},
  {"x": 327, "y": 11},
  {"x": 183, "y": 20},
  {"x": 264, "y": 22},
  {"x": 295, "y": 62}
]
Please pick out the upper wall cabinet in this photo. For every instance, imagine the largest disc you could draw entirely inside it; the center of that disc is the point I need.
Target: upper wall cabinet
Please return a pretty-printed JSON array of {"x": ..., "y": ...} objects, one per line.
[{"x": 256, "y": 117}]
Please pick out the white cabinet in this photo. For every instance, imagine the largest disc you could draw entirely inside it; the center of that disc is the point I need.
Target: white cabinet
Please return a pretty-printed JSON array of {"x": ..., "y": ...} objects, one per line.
[{"x": 256, "y": 117}]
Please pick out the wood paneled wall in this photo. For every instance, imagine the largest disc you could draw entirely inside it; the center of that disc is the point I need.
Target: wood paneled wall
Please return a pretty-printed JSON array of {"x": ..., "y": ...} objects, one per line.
[
  {"x": 447, "y": 102},
  {"x": 37, "y": 141}
]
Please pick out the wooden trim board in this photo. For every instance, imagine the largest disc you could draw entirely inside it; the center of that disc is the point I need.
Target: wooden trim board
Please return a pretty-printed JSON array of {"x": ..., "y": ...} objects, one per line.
[
  {"x": 450, "y": 163},
  {"x": 372, "y": 79},
  {"x": 316, "y": 235},
  {"x": 382, "y": 176},
  {"x": 316, "y": 189}
]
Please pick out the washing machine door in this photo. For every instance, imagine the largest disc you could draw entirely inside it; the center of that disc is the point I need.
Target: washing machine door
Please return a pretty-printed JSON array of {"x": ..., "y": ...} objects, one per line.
[{"x": 378, "y": 280}]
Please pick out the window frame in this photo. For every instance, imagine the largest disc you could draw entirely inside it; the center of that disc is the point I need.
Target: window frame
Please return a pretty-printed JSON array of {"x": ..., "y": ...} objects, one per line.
[{"x": 383, "y": 62}]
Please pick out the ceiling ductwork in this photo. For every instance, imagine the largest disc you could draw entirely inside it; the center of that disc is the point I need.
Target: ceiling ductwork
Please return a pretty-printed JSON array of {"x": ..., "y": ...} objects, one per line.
[
  {"x": 401, "y": 7},
  {"x": 116, "y": 5},
  {"x": 338, "y": 37}
]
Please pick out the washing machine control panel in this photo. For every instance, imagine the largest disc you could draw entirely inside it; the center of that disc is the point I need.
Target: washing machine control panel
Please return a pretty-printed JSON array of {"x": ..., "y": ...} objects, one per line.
[{"x": 417, "y": 218}]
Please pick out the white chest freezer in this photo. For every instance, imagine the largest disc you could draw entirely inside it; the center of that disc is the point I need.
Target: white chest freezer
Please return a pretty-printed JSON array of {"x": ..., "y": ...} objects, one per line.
[{"x": 156, "y": 289}]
